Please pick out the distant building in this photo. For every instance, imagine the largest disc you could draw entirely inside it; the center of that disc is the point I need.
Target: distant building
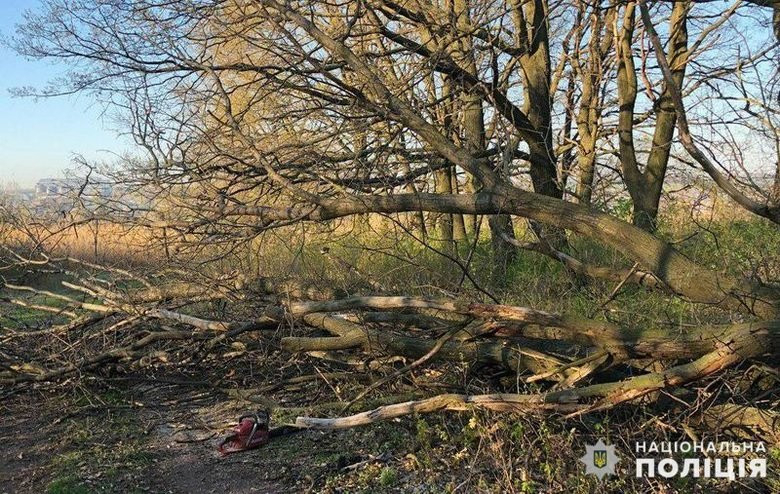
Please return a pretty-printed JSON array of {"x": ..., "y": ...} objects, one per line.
[
  {"x": 61, "y": 187},
  {"x": 61, "y": 195},
  {"x": 59, "y": 198},
  {"x": 17, "y": 196},
  {"x": 51, "y": 187}
]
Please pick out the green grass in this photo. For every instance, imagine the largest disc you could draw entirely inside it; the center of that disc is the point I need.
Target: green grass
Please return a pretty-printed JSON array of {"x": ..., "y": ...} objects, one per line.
[
  {"x": 98, "y": 452},
  {"x": 67, "y": 485},
  {"x": 16, "y": 316}
]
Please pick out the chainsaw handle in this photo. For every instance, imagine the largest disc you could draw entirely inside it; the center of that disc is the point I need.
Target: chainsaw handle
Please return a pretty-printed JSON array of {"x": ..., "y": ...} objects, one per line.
[{"x": 255, "y": 415}]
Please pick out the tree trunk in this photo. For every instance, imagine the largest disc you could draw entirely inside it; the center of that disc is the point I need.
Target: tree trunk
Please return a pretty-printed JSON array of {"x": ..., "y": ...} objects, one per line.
[
  {"x": 532, "y": 25},
  {"x": 591, "y": 74},
  {"x": 646, "y": 187},
  {"x": 458, "y": 222},
  {"x": 474, "y": 130},
  {"x": 444, "y": 226},
  {"x": 586, "y": 165}
]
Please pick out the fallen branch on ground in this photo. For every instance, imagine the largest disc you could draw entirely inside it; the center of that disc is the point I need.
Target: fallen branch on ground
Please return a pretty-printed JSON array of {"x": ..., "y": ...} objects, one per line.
[{"x": 557, "y": 351}]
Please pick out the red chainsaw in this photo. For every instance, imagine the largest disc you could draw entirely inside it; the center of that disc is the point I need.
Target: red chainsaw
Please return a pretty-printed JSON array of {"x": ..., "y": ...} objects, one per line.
[{"x": 252, "y": 432}]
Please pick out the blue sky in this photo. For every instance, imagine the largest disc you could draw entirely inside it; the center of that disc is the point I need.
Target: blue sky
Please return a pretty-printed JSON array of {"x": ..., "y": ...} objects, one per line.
[{"x": 39, "y": 138}]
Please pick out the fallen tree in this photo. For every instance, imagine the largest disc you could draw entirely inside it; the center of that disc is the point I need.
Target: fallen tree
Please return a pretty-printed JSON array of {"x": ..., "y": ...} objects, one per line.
[
  {"x": 263, "y": 117},
  {"x": 537, "y": 346}
]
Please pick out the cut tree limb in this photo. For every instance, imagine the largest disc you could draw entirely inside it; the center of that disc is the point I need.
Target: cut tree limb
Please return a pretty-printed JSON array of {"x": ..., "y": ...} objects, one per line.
[
  {"x": 514, "y": 357},
  {"x": 743, "y": 344},
  {"x": 532, "y": 323}
]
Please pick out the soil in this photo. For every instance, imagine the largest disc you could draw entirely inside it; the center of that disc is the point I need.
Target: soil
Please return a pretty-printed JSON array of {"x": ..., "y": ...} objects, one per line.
[{"x": 165, "y": 442}]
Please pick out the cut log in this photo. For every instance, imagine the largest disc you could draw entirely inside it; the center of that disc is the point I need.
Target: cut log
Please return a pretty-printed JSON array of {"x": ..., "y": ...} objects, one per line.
[
  {"x": 742, "y": 345},
  {"x": 514, "y": 357}
]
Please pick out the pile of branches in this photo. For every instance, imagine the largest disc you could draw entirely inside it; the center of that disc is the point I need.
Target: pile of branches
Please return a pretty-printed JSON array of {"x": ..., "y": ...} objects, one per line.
[{"x": 580, "y": 364}]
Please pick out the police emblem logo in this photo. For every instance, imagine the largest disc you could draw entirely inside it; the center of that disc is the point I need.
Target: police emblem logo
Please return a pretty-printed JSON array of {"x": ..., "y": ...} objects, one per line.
[{"x": 600, "y": 459}]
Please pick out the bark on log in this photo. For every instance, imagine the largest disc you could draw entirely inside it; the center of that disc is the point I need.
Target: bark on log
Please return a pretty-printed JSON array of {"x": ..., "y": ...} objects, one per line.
[
  {"x": 743, "y": 344},
  {"x": 620, "y": 341},
  {"x": 746, "y": 420},
  {"x": 514, "y": 357}
]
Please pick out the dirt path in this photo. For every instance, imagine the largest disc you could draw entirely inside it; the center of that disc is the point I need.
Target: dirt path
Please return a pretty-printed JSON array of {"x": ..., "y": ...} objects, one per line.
[{"x": 155, "y": 445}]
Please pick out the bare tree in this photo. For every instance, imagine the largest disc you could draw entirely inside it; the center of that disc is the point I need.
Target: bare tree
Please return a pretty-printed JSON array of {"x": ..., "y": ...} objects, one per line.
[{"x": 261, "y": 114}]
